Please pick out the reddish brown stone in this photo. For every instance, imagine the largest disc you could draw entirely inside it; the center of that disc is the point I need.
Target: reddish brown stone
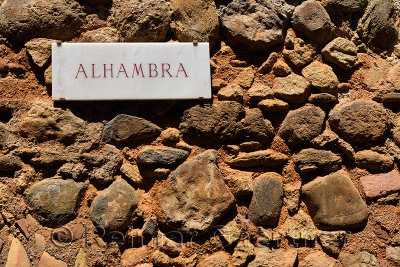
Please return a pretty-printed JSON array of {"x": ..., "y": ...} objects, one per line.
[
  {"x": 71, "y": 233},
  {"x": 380, "y": 185},
  {"x": 3, "y": 66},
  {"x": 22, "y": 226},
  {"x": 46, "y": 260}
]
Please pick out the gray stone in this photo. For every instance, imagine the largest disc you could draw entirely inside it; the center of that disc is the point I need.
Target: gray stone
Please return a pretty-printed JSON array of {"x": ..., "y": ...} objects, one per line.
[
  {"x": 313, "y": 160},
  {"x": 263, "y": 27},
  {"x": 49, "y": 158},
  {"x": 334, "y": 203},
  {"x": 187, "y": 200},
  {"x": 293, "y": 88},
  {"x": 302, "y": 125},
  {"x": 266, "y": 257},
  {"x": 373, "y": 161},
  {"x": 267, "y": 158},
  {"x": 110, "y": 164},
  {"x": 113, "y": 207},
  {"x": 322, "y": 77},
  {"x": 161, "y": 157},
  {"x": 265, "y": 208},
  {"x": 341, "y": 52},
  {"x": 54, "y": 202},
  {"x": 332, "y": 241},
  {"x": 360, "y": 259},
  {"x": 126, "y": 129}
]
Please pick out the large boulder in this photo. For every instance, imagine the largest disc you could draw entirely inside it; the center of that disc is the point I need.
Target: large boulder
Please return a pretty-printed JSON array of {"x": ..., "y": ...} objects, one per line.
[
  {"x": 360, "y": 121},
  {"x": 252, "y": 24},
  {"x": 141, "y": 20},
  {"x": 23, "y": 20},
  {"x": 54, "y": 202},
  {"x": 195, "y": 20},
  {"x": 334, "y": 203},
  {"x": 195, "y": 196},
  {"x": 302, "y": 125}
]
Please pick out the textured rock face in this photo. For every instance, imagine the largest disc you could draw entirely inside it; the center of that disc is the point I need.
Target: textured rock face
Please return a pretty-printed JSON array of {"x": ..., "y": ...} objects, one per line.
[
  {"x": 40, "y": 50},
  {"x": 54, "y": 201},
  {"x": 195, "y": 20},
  {"x": 27, "y": 19},
  {"x": 311, "y": 160},
  {"x": 125, "y": 129},
  {"x": 344, "y": 5},
  {"x": 159, "y": 157},
  {"x": 300, "y": 54},
  {"x": 362, "y": 258},
  {"x": 195, "y": 197},
  {"x": 269, "y": 258},
  {"x": 316, "y": 259},
  {"x": 360, "y": 121},
  {"x": 373, "y": 161},
  {"x": 218, "y": 259},
  {"x": 293, "y": 88},
  {"x": 341, "y": 52},
  {"x": 141, "y": 21},
  {"x": 266, "y": 203},
  {"x": 380, "y": 185},
  {"x": 334, "y": 203},
  {"x": 252, "y": 24},
  {"x": 299, "y": 227},
  {"x": 302, "y": 125},
  {"x": 102, "y": 35},
  {"x": 321, "y": 76},
  {"x": 267, "y": 158},
  {"x": 113, "y": 207}
]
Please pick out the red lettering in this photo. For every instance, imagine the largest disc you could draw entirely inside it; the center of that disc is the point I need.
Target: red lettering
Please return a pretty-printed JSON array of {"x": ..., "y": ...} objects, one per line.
[
  {"x": 81, "y": 69},
  {"x": 122, "y": 70},
  {"x": 93, "y": 75},
  {"x": 165, "y": 70},
  {"x": 151, "y": 70},
  {"x": 110, "y": 69},
  {"x": 135, "y": 68},
  {"x": 181, "y": 68}
]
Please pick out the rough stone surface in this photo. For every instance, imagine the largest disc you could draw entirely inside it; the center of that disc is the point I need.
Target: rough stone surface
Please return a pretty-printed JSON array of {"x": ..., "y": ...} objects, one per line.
[
  {"x": 195, "y": 197},
  {"x": 252, "y": 24},
  {"x": 161, "y": 157},
  {"x": 360, "y": 121},
  {"x": 292, "y": 196},
  {"x": 131, "y": 171},
  {"x": 17, "y": 255},
  {"x": 322, "y": 99},
  {"x": 240, "y": 184},
  {"x": 245, "y": 78},
  {"x": 231, "y": 231},
  {"x": 141, "y": 21},
  {"x": 264, "y": 209},
  {"x": 321, "y": 76},
  {"x": 170, "y": 136},
  {"x": 299, "y": 227},
  {"x": 280, "y": 68},
  {"x": 54, "y": 201},
  {"x": 266, "y": 67},
  {"x": 218, "y": 259},
  {"x": 317, "y": 259},
  {"x": 267, "y": 257},
  {"x": 267, "y": 158},
  {"x": 126, "y": 129},
  {"x": 133, "y": 256},
  {"x": 344, "y": 5},
  {"x": 341, "y": 52},
  {"x": 259, "y": 92},
  {"x": 293, "y": 88},
  {"x": 47, "y": 260},
  {"x": 380, "y": 185},
  {"x": 102, "y": 35},
  {"x": 312, "y": 160},
  {"x": 10, "y": 163},
  {"x": 40, "y": 50},
  {"x": 393, "y": 254},
  {"x": 110, "y": 164},
  {"x": 373, "y": 161},
  {"x": 113, "y": 207},
  {"x": 273, "y": 105},
  {"x": 244, "y": 251},
  {"x": 359, "y": 259},
  {"x": 332, "y": 241},
  {"x": 301, "y": 54},
  {"x": 302, "y": 125},
  {"x": 311, "y": 19},
  {"x": 231, "y": 92},
  {"x": 334, "y": 203}
]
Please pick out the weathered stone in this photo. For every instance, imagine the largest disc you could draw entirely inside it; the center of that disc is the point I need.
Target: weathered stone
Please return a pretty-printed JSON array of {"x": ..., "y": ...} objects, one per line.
[
  {"x": 238, "y": 63},
  {"x": 266, "y": 67},
  {"x": 81, "y": 260},
  {"x": 378, "y": 20},
  {"x": 263, "y": 27},
  {"x": 101, "y": 35},
  {"x": 40, "y": 243},
  {"x": 317, "y": 259},
  {"x": 322, "y": 99},
  {"x": 72, "y": 170},
  {"x": 250, "y": 146},
  {"x": 240, "y": 184},
  {"x": 231, "y": 231},
  {"x": 312, "y": 160},
  {"x": 301, "y": 54},
  {"x": 243, "y": 252},
  {"x": 231, "y": 92},
  {"x": 341, "y": 52},
  {"x": 280, "y": 68},
  {"x": 299, "y": 227},
  {"x": 47, "y": 260},
  {"x": 10, "y": 163},
  {"x": 267, "y": 158},
  {"x": 253, "y": 127},
  {"x": 360, "y": 121},
  {"x": 293, "y": 88},
  {"x": 325, "y": 140},
  {"x": 322, "y": 77},
  {"x": 373, "y": 161},
  {"x": 393, "y": 254},
  {"x": 265, "y": 209},
  {"x": 40, "y": 50},
  {"x": 17, "y": 256},
  {"x": 245, "y": 78},
  {"x": 273, "y": 105},
  {"x": 133, "y": 256},
  {"x": 195, "y": 20},
  {"x": 48, "y": 158},
  {"x": 380, "y": 185},
  {"x": 131, "y": 171},
  {"x": 360, "y": 259},
  {"x": 3, "y": 67},
  {"x": 161, "y": 259},
  {"x": 311, "y": 19},
  {"x": 45, "y": 122},
  {"x": 48, "y": 75},
  {"x": 267, "y": 257},
  {"x": 332, "y": 241},
  {"x": 292, "y": 196},
  {"x": 218, "y": 259},
  {"x": 170, "y": 136},
  {"x": 23, "y": 20},
  {"x": 141, "y": 21},
  {"x": 344, "y": 5},
  {"x": 112, "y": 208},
  {"x": 346, "y": 149},
  {"x": 302, "y": 125},
  {"x": 111, "y": 162},
  {"x": 126, "y": 129},
  {"x": 217, "y": 84},
  {"x": 55, "y": 201},
  {"x": 334, "y": 203},
  {"x": 187, "y": 200},
  {"x": 161, "y": 157},
  {"x": 268, "y": 237}
]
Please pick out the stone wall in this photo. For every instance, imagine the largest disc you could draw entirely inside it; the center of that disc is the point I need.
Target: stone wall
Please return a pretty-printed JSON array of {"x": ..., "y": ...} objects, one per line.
[{"x": 294, "y": 162}]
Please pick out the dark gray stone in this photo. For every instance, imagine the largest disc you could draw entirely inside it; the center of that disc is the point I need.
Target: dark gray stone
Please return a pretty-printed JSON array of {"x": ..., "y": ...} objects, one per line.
[
  {"x": 266, "y": 158},
  {"x": 161, "y": 157}
]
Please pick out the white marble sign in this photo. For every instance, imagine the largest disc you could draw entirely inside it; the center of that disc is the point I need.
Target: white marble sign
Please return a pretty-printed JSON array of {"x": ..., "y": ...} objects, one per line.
[{"x": 119, "y": 71}]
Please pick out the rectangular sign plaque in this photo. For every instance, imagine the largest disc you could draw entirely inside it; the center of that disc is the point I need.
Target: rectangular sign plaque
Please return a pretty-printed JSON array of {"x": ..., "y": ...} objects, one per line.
[{"x": 123, "y": 71}]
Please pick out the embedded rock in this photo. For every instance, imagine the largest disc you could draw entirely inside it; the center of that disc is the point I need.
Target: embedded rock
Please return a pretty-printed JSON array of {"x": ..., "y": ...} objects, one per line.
[
  {"x": 273, "y": 105},
  {"x": 334, "y": 203},
  {"x": 344, "y": 5},
  {"x": 380, "y": 185},
  {"x": 265, "y": 208},
  {"x": 373, "y": 161},
  {"x": 126, "y": 129},
  {"x": 267, "y": 158},
  {"x": 141, "y": 21},
  {"x": 231, "y": 231},
  {"x": 110, "y": 164},
  {"x": 253, "y": 127},
  {"x": 360, "y": 259},
  {"x": 311, "y": 19},
  {"x": 341, "y": 52},
  {"x": 317, "y": 259},
  {"x": 162, "y": 157},
  {"x": 302, "y": 125},
  {"x": 252, "y": 24},
  {"x": 195, "y": 20},
  {"x": 245, "y": 78},
  {"x": 17, "y": 255},
  {"x": 360, "y": 121},
  {"x": 322, "y": 99},
  {"x": 101, "y": 35},
  {"x": 47, "y": 260},
  {"x": 281, "y": 68},
  {"x": 292, "y": 196},
  {"x": 293, "y": 88},
  {"x": 332, "y": 241},
  {"x": 312, "y": 160},
  {"x": 10, "y": 163},
  {"x": 299, "y": 227},
  {"x": 40, "y": 50},
  {"x": 244, "y": 251},
  {"x": 301, "y": 54},
  {"x": 195, "y": 196},
  {"x": 218, "y": 259},
  {"x": 393, "y": 254},
  {"x": 240, "y": 184},
  {"x": 231, "y": 92},
  {"x": 259, "y": 92},
  {"x": 112, "y": 208},
  {"x": 54, "y": 202},
  {"x": 268, "y": 257},
  {"x": 322, "y": 77}
]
